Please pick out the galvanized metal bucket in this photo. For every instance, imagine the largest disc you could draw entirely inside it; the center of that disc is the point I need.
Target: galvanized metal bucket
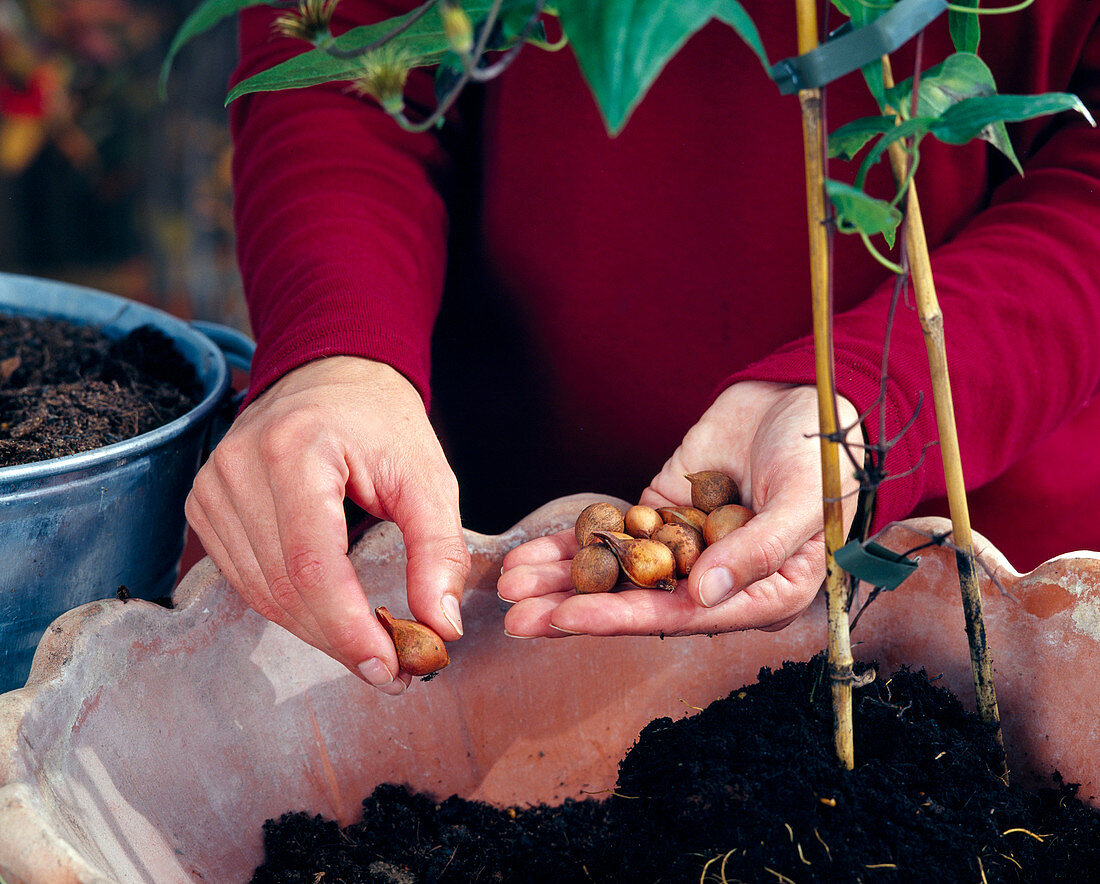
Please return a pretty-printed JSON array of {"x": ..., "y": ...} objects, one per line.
[{"x": 74, "y": 529}]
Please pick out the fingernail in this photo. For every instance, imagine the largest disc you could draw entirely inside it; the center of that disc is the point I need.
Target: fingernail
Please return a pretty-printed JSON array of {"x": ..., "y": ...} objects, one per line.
[
  {"x": 378, "y": 674},
  {"x": 566, "y": 631},
  {"x": 716, "y": 586},
  {"x": 451, "y": 612},
  {"x": 513, "y": 635},
  {"x": 506, "y": 601}
]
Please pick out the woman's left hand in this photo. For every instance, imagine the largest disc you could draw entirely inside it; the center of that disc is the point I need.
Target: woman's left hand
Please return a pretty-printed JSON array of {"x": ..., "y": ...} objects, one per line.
[{"x": 761, "y": 576}]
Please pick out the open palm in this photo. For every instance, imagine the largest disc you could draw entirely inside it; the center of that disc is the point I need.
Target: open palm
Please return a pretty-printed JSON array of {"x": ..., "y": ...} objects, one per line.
[{"x": 763, "y": 575}]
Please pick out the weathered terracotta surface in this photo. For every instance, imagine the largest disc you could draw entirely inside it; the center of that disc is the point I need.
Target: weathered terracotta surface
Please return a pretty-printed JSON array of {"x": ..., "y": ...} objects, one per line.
[{"x": 150, "y": 745}]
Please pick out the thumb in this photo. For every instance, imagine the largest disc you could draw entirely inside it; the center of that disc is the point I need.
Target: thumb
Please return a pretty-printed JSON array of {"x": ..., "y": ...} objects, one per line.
[{"x": 748, "y": 554}]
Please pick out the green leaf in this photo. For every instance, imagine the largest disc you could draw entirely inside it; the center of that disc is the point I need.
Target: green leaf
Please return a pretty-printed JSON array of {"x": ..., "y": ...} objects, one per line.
[
  {"x": 915, "y": 128},
  {"x": 733, "y": 14},
  {"x": 857, "y": 11},
  {"x": 960, "y": 76},
  {"x": 308, "y": 69},
  {"x": 201, "y": 20},
  {"x": 872, "y": 74},
  {"x": 513, "y": 18},
  {"x": 856, "y": 209},
  {"x": 623, "y": 45},
  {"x": 969, "y": 118},
  {"x": 957, "y": 103},
  {"x": 965, "y": 27},
  {"x": 424, "y": 41},
  {"x": 850, "y": 139}
]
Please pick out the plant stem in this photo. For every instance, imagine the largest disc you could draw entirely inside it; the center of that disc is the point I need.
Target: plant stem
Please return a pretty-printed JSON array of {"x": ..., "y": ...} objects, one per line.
[
  {"x": 836, "y": 586},
  {"x": 931, "y": 320},
  {"x": 878, "y": 256},
  {"x": 468, "y": 68},
  {"x": 403, "y": 25}
]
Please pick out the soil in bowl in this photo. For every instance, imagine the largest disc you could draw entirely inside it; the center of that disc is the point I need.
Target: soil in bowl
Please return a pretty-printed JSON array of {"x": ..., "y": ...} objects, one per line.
[
  {"x": 67, "y": 388},
  {"x": 746, "y": 790}
]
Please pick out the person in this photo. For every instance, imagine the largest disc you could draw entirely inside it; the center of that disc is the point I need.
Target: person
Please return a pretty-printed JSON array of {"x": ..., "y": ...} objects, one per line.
[{"x": 620, "y": 311}]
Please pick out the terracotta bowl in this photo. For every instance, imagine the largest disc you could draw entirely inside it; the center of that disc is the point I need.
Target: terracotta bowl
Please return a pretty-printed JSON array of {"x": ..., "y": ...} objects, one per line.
[{"x": 151, "y": 744}]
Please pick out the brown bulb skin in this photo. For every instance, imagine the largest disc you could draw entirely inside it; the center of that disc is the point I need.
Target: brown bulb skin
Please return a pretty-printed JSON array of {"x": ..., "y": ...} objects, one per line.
[
  {"x": 641, "y": 521},
  {"x": 685, "y": 542},
  {"x": 725, "y": 519},
  {"x": 645, "y": 563},
  {"x": 420, "y": 650},
  {"x": 594, "y": 569},
  {"x": 711, "y": 489},
  {"x": 684, "y": 515},
  {"x": 621, "y": 535},
  {"x": 597, "y": 517}
]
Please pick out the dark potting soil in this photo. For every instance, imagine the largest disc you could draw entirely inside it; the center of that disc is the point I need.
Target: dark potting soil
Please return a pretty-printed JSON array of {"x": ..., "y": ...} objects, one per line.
[
  {"x": 747, "y": 790},
  {"x": 66, "y": 388}
]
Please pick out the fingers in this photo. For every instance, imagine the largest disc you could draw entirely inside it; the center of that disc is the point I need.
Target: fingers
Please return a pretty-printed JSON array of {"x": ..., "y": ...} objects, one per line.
[
  {"x": 629, "y": 612},
  {"x": 779, "y": 569},
  {"x": 228, "y": 544},
  {"x": 780, "y": 577},
  {"x": 211, "y": 543},
  {"x": 309, "y": 568},
  {"x": 748, "y": 558},
  {"x": 538, "y": 567},
  {"x": 532, "y": 618},
  {"x": 277, "y": 531},
  {"x": 771, "y": 603},
  {"x": 652, "y": 497},
  {"x": 411, "y": 483},
  {"x": 268, "y": 506},
  {"x": 751, "y": 553},
  {"x": 669, "y": 487},
  {"x": 542, "y": 550},
  {"x": 438, "y": 559},
  {"x": 529, "y": 581},
  {"x": 762, "y": 575}
]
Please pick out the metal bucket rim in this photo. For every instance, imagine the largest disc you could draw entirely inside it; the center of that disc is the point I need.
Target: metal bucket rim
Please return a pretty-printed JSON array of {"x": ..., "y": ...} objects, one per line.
[{"x": 136, "y": 446}]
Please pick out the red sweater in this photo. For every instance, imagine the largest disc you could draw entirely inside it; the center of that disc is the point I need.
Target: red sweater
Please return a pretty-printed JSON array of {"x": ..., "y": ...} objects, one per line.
[{"x": 600, "y": 291}]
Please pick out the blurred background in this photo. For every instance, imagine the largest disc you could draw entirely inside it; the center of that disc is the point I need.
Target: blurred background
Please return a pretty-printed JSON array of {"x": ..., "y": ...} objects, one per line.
[{"x": 102, "y": 182}]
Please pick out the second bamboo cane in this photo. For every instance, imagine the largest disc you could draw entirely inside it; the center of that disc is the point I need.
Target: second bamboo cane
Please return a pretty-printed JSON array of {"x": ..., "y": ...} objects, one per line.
[{"x": 931, "y": 320}]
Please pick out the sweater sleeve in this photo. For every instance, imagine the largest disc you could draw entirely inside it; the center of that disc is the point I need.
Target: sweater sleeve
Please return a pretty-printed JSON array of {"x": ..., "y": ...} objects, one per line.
[
  {"x": 1019, "y": 290},
  {"x": 341, "y": 230}
]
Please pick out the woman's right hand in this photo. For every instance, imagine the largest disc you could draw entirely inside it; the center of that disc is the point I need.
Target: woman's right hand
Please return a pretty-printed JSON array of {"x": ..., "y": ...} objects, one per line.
[{"x": 268, "y": 508}]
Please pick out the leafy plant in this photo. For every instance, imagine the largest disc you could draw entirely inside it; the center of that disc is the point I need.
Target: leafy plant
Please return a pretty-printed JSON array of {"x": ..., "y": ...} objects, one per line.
[
  {"x": 957, "y": 103},
  {"x": 621, "y": 46}
]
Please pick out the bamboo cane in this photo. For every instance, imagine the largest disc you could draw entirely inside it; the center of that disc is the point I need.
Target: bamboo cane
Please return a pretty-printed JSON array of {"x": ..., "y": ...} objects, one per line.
[
  {"x": 931, "y": 320},
  {"x": 840, "y": 649}
]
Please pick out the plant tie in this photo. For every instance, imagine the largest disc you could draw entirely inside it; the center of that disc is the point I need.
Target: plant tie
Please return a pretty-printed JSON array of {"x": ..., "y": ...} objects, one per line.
[{"x": 848, "y": 48}]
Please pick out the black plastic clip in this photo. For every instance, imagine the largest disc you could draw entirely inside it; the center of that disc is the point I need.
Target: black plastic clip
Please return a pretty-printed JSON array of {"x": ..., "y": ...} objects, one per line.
[{"x": 850, "y": 48}]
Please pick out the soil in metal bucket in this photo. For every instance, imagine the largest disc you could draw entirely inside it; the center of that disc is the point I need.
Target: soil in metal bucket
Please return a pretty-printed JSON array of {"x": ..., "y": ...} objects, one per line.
[
  {"x": 66, "y": 388},
  {"x": 747, "y": 790}
]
